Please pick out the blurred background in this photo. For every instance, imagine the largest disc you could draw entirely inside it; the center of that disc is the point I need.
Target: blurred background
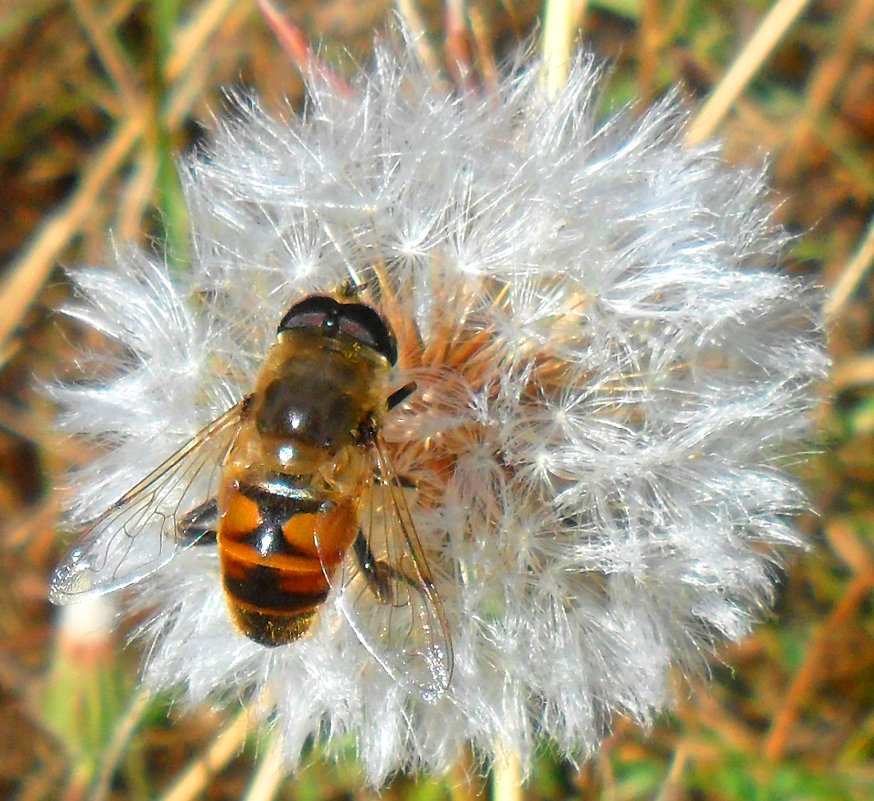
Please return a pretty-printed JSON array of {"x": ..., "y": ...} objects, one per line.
[{"x": 99, "y": 98}]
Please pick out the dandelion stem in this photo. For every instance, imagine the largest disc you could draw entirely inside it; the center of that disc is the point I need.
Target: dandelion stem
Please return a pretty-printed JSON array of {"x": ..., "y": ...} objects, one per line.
[
  {"x": 109, "y": 50},
  {"x": 222, "y": 749},
  {"x": 506, "y": 776},
  {"x": 561, "y": 20},
  {"x": 297, "y": 47},
  {"x": 670, "y": 787},
  {"x": 811, "y": 668},
  {"x": 27, "y": 274},
  {"x": 485, "y": 56},
  {"x": 854, "y": 272},
  {"x": 748, "y": 62},
  {"x": 268, "y": 774},
  {"x": 120, "y": 739},
  {"x": 192, "y": 35},
  {"x": 413, "y": 19}
]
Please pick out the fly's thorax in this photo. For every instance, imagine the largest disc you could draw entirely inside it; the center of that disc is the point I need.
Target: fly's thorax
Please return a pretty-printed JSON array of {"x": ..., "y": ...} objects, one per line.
[{"x": 316, "y": 396}]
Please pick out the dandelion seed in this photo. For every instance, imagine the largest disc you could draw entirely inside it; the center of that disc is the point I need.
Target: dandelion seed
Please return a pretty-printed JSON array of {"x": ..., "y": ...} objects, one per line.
[{"x": 609, "y": 371}]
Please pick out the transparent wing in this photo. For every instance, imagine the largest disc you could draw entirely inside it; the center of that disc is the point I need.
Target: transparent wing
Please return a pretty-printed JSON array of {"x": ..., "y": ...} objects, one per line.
[
  {"x": 389, "y": 597},
  {"x": 145, "y": 528}
]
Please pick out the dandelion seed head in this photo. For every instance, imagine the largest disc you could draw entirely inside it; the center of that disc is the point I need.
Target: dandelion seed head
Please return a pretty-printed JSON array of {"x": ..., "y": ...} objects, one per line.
[{"x": 609, "y": 367}]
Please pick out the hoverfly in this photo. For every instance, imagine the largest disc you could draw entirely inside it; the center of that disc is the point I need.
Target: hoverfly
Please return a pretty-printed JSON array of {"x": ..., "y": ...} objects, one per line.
[{"x": 286, "y": 482}]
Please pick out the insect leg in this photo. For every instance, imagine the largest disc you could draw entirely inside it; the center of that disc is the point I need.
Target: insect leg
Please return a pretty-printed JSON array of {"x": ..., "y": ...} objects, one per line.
[
  {"x": 200, "y": 524},
  {"x": 400, "y": 395},
  {"x": 403, "y": 482},
  {"x": 376, "y": 573},
  {"x": 380, "y": 576},
  {"x": 368, "y": 429}
]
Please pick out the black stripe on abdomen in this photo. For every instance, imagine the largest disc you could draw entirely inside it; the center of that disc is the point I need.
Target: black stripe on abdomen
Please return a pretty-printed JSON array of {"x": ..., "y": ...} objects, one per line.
[{"x": 271, "y": 590}]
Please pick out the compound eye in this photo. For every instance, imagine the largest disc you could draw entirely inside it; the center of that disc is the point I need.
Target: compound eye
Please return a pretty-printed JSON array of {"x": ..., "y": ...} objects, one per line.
[
  {"x": 364, "y": 324},
  {"x": 316, "y": 311},
  {"x": 356, "y": 320}
]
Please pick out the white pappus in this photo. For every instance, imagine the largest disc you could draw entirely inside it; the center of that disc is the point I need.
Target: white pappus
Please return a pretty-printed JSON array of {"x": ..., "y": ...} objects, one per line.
[{"x": 610, "y": 369}]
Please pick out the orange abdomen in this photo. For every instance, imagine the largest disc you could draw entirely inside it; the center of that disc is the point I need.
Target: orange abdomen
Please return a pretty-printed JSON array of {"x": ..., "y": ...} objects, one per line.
[{"x": 280, "y": 548}]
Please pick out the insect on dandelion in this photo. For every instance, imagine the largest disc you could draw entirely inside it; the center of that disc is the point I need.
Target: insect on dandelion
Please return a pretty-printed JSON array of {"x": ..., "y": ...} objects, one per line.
[{"x": 561, "y": 477}]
